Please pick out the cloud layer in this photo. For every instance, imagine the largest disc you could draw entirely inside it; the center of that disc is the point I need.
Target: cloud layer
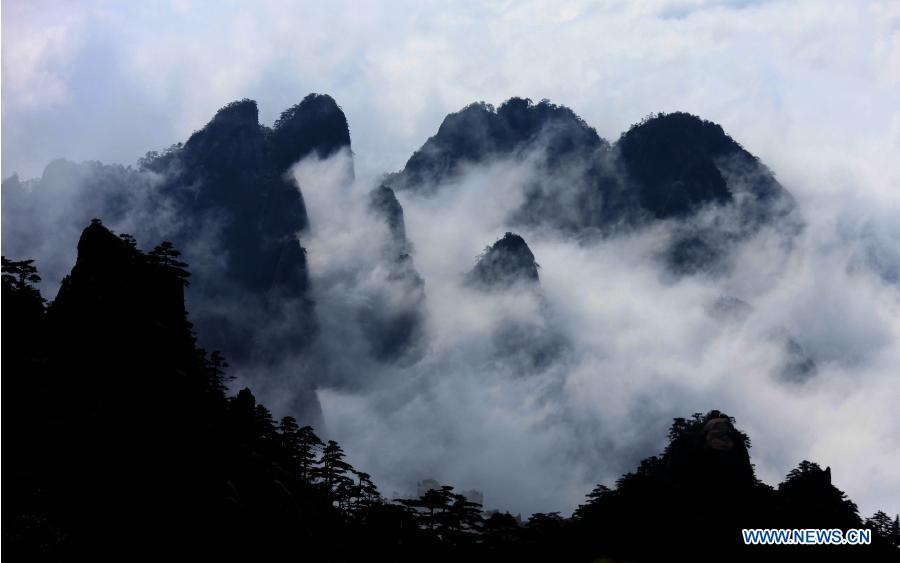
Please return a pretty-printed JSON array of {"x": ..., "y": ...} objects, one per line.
[{"x": 640, "y": 348}]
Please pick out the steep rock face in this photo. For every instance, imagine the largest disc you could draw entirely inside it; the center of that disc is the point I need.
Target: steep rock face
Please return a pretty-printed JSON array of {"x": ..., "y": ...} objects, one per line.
[
  {"x": 241, "y": 210},
  {"x": 507, "y": 262},
  {"x": 383, "y": 202},
  {"x": 394, "y": 322},
  {"x": 225, "y": 180},
  {"x": 230, "y": 178}
]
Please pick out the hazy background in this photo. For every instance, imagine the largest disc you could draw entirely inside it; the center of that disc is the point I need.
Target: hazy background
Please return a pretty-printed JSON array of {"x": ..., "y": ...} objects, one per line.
[{"x": 812, "y": 88}]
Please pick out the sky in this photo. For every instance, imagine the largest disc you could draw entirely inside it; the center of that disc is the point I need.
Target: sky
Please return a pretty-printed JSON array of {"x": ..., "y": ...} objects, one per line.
[
  {"x": 813, "y": 89},
  {"x": 112, "y": 80}
]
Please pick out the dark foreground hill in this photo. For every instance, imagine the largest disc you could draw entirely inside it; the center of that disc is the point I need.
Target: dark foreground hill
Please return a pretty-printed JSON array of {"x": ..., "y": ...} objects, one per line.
[{"x": 121, "y": 443}]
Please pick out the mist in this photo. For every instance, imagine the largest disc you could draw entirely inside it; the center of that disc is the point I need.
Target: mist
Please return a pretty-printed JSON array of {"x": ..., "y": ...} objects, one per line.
[{"x": 640, "y": 346}]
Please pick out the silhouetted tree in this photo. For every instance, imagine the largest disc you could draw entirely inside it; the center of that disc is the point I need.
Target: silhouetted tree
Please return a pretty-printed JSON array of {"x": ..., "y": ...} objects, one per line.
[
  {"x": 332, "y": 472},
  {"x": 129, "y": 240},
  {"x": 365, "y": 492},
  {"x": 808, "y": 499},
  {"x": 215, "y": 372},
  {"x": 885, "y": 528},
  {"x": 166, "y": 256},
  {"x": 20, "y": 275},
  {"x": 500, "y": 530}
]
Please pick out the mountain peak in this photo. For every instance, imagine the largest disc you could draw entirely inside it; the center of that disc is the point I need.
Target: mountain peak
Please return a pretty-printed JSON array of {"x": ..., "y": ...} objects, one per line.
[
  {"x": 317, "y": 124},
  {"x": 505, "y": 263},
  {"x": 114, "y": 281},
  {"x": 244, "y": 111},
  {"x": 313, "y": 105},
  {"x": 98, "y": 244},
  {"x": 479, "y": 132},
  {"x": 672, "y": 157},
  {"x": 384, "y": 202}
]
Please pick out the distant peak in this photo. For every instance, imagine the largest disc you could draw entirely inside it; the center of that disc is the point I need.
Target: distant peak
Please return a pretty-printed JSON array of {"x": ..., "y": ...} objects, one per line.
[
  {"x": 505, "y": 263},
  {"x": 479, "y": 132},
  {"x": 672, "y": 157},
  {"x": 700, "y": 134},
  {"x": 516, "y": 103},
  {"x": 512, "y": 242},
  {"x": 240, "y": 111},
  {"x": 312, "y": 106},
  {"x": 225, "y": 137},
  {"x": 58, "y": 169},
  {"x": 383, "y": 201},
  {"x": 315, "y": 124}
]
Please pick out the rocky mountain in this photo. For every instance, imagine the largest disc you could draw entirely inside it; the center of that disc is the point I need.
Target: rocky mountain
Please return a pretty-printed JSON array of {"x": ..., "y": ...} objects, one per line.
[
  {"x": 226, "y": 199},
  {"x": 505, "y": 263},
  {"x": 478, "y": 133},
  {"x": 234, "y": 198},
  {"x": 669, "y": 167}
]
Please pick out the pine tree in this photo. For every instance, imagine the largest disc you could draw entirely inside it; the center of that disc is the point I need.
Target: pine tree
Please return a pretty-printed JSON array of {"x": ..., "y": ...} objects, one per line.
[
  {"x": 215, "y": 372},
  {"x": 166, "y": 257},
  {"x": 307, "y": 446},
  {"x": 895, "y": 532},
  {"x": 885, "y": 528},
  {"x": 129, "y": 240},
  {"x": 332, "y": 472},
  {"x": 365, "y": 492},
  {"x": 20, "y": 275}
]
